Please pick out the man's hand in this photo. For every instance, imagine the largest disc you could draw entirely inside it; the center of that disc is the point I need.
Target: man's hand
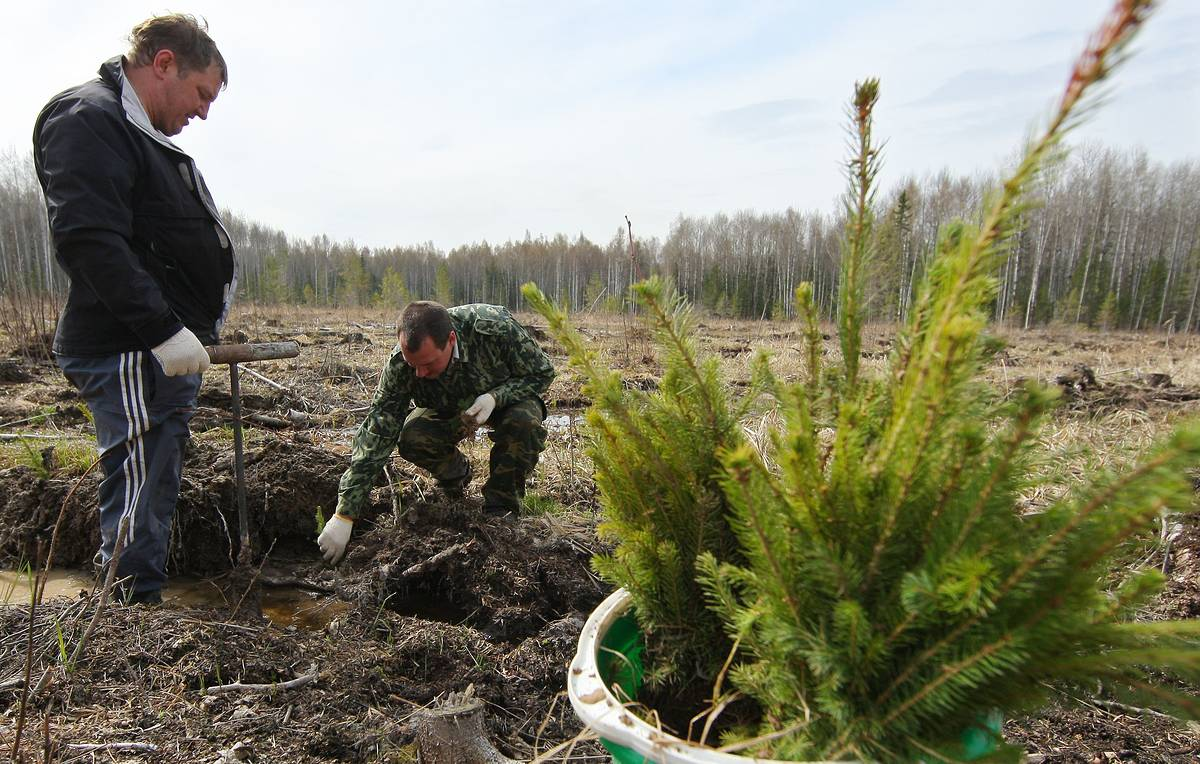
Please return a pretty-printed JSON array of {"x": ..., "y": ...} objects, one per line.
[
  {"x": 334, "y": 538},
  {"x": 181, "y": 354},
  {"x": 480, "y": 410}
]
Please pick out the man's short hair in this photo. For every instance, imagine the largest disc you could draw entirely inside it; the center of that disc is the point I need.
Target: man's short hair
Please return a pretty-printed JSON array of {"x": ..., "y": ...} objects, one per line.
[
  {"x": 421, "y": 319},
  {"x": 183, "y": 35}
]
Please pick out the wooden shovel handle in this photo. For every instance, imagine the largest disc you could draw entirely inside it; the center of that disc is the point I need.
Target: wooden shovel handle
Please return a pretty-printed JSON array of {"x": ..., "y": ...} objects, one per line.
[{"x": 255, "y": 351}]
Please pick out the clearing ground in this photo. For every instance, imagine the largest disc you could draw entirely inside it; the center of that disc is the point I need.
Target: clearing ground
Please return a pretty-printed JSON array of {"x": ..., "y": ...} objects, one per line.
[{"x": 434, "y": 596}]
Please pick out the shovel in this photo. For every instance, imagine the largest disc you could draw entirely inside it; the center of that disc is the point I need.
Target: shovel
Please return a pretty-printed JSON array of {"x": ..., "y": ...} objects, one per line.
[{"x": 233, "y": 355}]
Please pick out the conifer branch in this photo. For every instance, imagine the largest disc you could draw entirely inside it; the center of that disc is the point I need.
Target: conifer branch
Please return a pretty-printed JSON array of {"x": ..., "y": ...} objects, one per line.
[
  {"x": 740, "y": 476},
  {"x": 936, "y": 756},
  {"x": 905, "y": 479},
  {"x": 1102, "y": 665},
  {"x": 1012, "y": 445},
  {"x": 950, "y": 486},
  {"x": 1096, "y": 63},
  {"x": 874, "y": 582},
  {"x": 1140, "y": 630},
  {"x": 650, "y": 294},
  {"x": 1132, "y": 592},
  {"x": 661, "y": 523},
  {"x": 1108, "y": 658},
  {"x": 900, "y": 627},
  {"x": 861, "y": 171},
  {"x": 1077, "y": 517},
  {"x": 812, "y": 336},
  {"x": 948, "y": 672},
  {"x": 601, "y": 382},
  {"x": 921, "y": 659},
  {"x": 1023, "y": 568},
  {"x": 1138, "y": 523},
  {"x": 910, "y": 382},
  {"x": 1092, "y": 66}
]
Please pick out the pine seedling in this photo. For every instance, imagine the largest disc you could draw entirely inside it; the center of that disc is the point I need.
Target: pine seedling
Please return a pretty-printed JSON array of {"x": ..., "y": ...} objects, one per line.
[
  {"x": 879, "y": 591},
  {"x": 892, "y": 594},
  {"x": 657, "y": 463},
  {"x": 858, "y": 241}
]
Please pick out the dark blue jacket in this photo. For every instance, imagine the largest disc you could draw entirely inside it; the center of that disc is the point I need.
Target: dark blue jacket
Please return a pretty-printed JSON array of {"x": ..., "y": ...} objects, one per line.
[{"x": 132, "y": 223}]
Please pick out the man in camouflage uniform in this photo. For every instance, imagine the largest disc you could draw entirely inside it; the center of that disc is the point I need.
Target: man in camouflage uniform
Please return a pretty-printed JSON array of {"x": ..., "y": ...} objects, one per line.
[{"x": 462, "y": 367}]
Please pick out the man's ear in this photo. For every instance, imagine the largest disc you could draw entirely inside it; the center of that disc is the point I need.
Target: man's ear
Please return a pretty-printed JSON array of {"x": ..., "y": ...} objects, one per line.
[
  {"x": 451, "y": 339},
  {"x": 164, "y": 63}
]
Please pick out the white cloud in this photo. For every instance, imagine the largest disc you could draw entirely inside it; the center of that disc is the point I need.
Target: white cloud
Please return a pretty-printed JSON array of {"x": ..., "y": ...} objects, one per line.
[{"x": 395, "y": 123}]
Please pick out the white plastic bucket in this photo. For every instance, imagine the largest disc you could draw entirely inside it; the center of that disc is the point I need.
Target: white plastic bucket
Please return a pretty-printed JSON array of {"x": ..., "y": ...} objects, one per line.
[
  {"x": 611, "y": 638},
  {"x": 628, "y": 738}
]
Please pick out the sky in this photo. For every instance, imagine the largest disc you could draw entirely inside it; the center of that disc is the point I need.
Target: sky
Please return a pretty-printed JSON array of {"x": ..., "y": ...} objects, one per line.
[{"x": 397, "y": 122}]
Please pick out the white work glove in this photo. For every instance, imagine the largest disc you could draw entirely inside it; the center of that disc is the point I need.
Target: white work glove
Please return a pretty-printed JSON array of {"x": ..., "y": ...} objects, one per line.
[
  {"x": 181, "y": 354},
  {"x": 334, "y": 538},
  {"x": 480, "y": 410}
]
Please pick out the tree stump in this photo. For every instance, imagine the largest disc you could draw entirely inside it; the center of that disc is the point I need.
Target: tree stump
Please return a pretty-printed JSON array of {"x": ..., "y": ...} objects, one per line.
[{"x": 452, "y": 733}]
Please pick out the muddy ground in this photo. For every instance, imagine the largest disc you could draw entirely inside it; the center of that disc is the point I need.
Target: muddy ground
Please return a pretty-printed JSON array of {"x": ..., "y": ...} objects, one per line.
[{"x": 433, "y": 595}]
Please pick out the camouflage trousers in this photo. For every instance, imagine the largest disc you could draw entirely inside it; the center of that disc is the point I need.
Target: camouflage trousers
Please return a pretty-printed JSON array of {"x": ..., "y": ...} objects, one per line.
[{"x": 429, "y": 440}]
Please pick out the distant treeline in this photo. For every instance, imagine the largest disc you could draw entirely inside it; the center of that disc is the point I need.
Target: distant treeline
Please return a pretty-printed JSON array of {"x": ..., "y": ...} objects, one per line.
[{"x": 1114, "y": 243}]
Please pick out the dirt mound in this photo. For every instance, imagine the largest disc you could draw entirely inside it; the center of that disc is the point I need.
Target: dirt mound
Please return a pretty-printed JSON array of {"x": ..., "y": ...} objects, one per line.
[
  {"x": 148, "y": 675},
  {"x": 505, "y": 577},
  {"x": 1084, "y": 392},
  {"x": 1101, "y": 731},
  {"x": 30, "y": 505},
  {"x": 285, "y": 483},
  {"x": 14, "y": 370}
]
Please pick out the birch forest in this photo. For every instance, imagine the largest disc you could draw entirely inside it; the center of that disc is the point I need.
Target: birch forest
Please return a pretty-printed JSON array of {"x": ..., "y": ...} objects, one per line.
[{"x": 1113, "y": 244}]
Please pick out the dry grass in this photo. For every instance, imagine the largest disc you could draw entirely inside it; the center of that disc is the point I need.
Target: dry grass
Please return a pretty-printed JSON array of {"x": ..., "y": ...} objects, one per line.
[{"x": 135, "y": 678}]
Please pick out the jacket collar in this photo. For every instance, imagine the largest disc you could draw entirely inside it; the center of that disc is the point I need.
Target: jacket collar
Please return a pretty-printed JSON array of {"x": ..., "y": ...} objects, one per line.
[
  {"x": 112, "y": 72},
  {"x": 462, "y": 353}
]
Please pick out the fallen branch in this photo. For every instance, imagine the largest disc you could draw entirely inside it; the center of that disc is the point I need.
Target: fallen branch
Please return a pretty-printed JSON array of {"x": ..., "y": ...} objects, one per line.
[
  {"x": 105, "y": 592},
  {"x": 275, "y": 423},
  {"x": 291, "y": 684},
  {"x": 294, "y": 583},
  {"x": 433, "y": 562},
  {"x": 270, "y": 422},
  {"x": 33, "y": 603},
  {"x": 34, "y": 436},
  {"x": 15, "y": 422},
  {"x": 1123, "y": 708},
  {"x": 224, "y": 625},
  {"x": 91, "y": 747},
  {"x": 271, "y": 382}
]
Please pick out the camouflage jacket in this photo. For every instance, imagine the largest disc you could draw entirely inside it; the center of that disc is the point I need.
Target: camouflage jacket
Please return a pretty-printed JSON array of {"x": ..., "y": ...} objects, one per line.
[{"x": 495, "y": 355}]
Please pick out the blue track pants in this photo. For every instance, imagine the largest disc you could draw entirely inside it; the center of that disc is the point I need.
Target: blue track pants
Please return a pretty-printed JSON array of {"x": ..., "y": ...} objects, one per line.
[{"x": 141, "y": 417}]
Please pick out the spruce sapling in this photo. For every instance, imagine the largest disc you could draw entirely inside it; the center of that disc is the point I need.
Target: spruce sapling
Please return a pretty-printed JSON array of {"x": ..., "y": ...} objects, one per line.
[
  {"x": 878, "y": 588},
  {"x": 657, "y": 462}
]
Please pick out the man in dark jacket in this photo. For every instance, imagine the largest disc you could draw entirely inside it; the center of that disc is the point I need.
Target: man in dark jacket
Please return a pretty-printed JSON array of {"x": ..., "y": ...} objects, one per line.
[
  {"x": 151, "y": 270},
  {"x": 461, "y": 367}
]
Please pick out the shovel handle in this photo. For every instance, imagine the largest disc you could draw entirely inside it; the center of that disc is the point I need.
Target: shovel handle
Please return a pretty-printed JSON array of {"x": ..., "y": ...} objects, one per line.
[{"x": 255, "y": 351}]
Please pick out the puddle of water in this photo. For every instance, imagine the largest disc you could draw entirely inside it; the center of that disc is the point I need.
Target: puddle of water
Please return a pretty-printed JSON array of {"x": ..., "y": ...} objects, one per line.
[
  {"x": 60, "y": 584},
  {"x": 284, "y": 606},
  {"x": 307, "y": 611}
]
